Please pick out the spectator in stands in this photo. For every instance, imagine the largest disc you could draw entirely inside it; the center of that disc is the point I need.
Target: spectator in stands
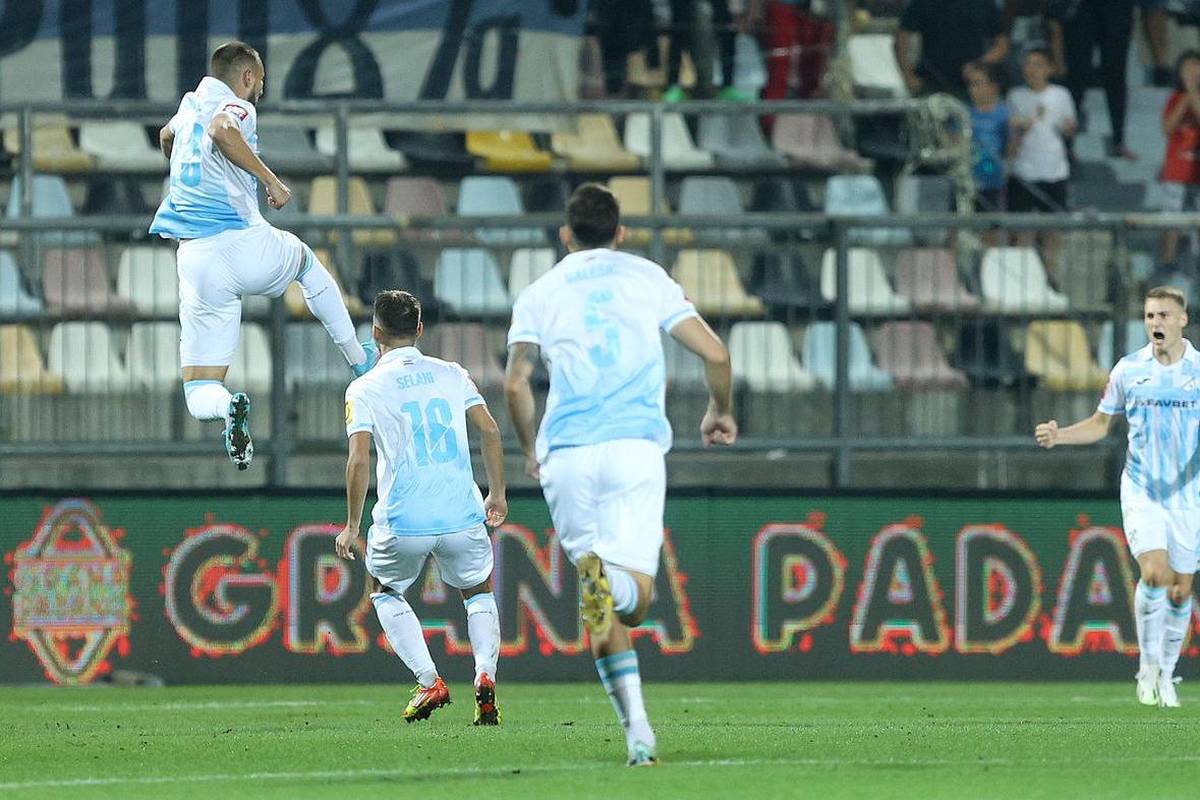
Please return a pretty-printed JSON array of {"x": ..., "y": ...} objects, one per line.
[
  {"x": 989, "y": 134},
  {"x": 1030, "y": 26},
  {"x": 1181, "y": 165},
  {"x": 684, "y": 35},
  {"x": 953, "y": 33},
  {"x": 1158, "y": 36},
  {"x": 1107, "y": 25},
  {"x": 623, "y": 27},
  {"x": 1042, "y": 120},
  {"x": 798, "y": 44}
]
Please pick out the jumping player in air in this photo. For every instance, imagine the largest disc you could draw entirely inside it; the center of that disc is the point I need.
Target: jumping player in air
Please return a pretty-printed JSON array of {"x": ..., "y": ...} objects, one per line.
[
  {"x": 226, "y": 248},
  {"x": 1157, "y": 388},
  {"x": 595, "y": 319},
  {"x": 415, "y": 409}
]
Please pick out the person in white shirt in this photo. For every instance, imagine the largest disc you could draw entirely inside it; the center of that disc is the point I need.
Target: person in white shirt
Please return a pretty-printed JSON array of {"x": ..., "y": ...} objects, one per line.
[
  {"x": 226, "y": 248},
  {"x": 596, "y": 319},
  {"x": 1157, "y": 389},
  {"x": 415, "y": 409}
]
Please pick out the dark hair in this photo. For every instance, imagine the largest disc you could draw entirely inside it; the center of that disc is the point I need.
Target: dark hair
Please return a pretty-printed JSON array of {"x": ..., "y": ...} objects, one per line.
[
  {"x": 1186, "y": 55},
  {"x": 992, "y": 70},
  {"x": 397, "y": 313},
  {"x": 1038, "y": 51},
  {"x": 232, "y": 57},
  {"x": 593, "y": 215}
]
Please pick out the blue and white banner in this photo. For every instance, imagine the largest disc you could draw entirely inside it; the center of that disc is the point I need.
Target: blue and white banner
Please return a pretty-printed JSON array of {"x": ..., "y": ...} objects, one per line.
[{"x": 391, "y": 50}]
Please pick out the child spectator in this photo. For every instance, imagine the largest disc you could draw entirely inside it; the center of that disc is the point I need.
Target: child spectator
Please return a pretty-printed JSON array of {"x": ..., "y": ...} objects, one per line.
[
  {"x": 1181, "y": 166},
  {"x": 989, "y": 134}
]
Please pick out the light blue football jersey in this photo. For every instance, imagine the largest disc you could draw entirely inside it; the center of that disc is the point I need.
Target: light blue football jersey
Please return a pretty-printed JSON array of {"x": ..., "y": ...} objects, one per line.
[
  {"x": 208, "y": 194},
  {"x": 1162, "y": 406},
  {"x": 415, "y": 408},
  {"x": 596, "y": 317}
]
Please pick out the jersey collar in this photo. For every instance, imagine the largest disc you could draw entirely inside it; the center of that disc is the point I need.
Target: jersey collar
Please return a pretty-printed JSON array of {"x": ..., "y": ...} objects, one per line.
[
  {"x": 214, "y": 87},
  {"x": 400, "y": 353},
  {"x": 1190, "y": 353}
]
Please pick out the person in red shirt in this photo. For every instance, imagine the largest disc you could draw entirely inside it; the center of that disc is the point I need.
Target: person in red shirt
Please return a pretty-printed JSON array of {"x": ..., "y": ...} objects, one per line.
[{"x": 1181, "y": 166}]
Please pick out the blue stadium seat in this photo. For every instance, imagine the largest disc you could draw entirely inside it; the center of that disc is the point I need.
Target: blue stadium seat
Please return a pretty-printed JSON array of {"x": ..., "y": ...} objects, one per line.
[
  {"x": 467, "y": 281},
  {"x": 50, "y": 201},
  {"x": 862, "y": 196},
  {"x": 820, "y": 358},
  {"x": 496, "y": 195},
  {"x": 15, "y": 299}
]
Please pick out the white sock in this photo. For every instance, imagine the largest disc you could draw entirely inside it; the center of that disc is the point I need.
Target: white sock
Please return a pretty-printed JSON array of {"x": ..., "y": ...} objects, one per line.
[
  {"x": 624, "y": 589},
  {"x": 1174, "y": 633},
  {"x": 404, "y": 633},
  {"x": 206, "y": 400},
  {"x": 483, "y": 626},
  {"x": 1149, "y": 612},
  {"x": 324, "y": 300},
  {"x": 621, "y": 679}
]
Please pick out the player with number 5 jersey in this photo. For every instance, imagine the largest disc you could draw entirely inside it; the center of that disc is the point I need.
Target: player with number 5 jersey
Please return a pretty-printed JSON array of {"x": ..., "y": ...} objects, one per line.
[
  {"x": 226, "y": 248},
  {"x": 415, "y": 409}
]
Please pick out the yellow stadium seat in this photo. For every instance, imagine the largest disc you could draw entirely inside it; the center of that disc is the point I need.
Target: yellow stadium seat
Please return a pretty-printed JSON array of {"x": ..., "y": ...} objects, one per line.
[
  {"x": 595, "y": 146},
  {"x": 1057, "y": 352},
  {"x": 293, "y": 298},
  {"x": 53, "y": 149},
  {"x": 323, "y": 201},
  {"x": 633, "y": 195},
  {"x": 508, "y": 151},
  {"x": 710, "y": 280},
  {"x": 22, "y": 370}
]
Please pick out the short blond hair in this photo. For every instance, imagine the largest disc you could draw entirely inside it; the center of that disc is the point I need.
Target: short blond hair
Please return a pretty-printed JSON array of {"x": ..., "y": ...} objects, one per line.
[{"x": 1168, "y": 293}]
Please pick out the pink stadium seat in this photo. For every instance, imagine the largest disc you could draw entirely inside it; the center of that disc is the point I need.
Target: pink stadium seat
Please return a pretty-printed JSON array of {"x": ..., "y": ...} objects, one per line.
[
  {"x": 928, "y": 277},
  {"x": 466, "y": 343},
  {"x": 420, "y": 197},
  {"x": 911, "y": 353},
  {"x": 810, "y": 140},
  {"x": 76, "y": 279}
]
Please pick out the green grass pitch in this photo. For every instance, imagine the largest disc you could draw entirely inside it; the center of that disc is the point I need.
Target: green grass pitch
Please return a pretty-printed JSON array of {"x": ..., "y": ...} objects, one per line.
[{"x": 820, "y": 740}]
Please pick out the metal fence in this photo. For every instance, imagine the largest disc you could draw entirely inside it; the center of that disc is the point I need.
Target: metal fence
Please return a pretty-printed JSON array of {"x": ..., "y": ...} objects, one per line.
[{"x": 858, "y": 330}]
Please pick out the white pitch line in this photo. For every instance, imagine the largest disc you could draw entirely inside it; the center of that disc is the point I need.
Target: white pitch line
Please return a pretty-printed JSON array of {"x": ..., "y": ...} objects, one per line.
[{"x": 524, "y": 769}]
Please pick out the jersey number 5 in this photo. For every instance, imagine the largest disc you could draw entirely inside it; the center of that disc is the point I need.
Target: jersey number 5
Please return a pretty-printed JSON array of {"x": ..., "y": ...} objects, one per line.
[{"x": 433, "y": 434}]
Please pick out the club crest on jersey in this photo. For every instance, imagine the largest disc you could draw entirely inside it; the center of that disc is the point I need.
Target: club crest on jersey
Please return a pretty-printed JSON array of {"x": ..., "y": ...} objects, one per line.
[
  {"x": 238, "y": 111},
  {"x": 71, "y": 600}
]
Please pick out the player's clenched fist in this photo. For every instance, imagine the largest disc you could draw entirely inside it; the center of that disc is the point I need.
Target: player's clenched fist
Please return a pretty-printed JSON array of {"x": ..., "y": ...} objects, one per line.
[
  {"x": 1047, "y": 434},
  {"x": 278, "y": 193},
  {"x": 344, "y": 544}
]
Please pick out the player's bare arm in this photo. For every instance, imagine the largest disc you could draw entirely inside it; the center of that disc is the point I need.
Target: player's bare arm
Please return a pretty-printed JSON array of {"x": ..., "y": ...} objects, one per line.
[
  {"x": 166, "y": 141},
  {"x": 518, "y": 392},
  {"x": 495, "y": 505},
  {"x": 1089, "y": 431},
  {"x": 718, "y": 425},
  {"x": 358, "y": 479},
  {"x": 227, "y": 135}
]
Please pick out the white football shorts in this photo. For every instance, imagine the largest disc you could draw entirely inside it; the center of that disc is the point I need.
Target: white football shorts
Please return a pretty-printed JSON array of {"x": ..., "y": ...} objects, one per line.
[
  {"x": 464, "y": 559},
  {"x": 1150, "y": 526},
  {"x": 608, "y": 499},
  {"x": 214, "y": 273}
]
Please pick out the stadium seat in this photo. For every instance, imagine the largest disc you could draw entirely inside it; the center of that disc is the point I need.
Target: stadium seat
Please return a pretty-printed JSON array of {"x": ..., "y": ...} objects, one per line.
[
  {"x": 414, "y": 198},
  {"x": 395, "y": 269},
  {"x": 1014, "y": 280},
  {"x": 54, "y": 150},
  {"x": 468, "y": 282},
  {"x": 869, "y": 289},
  {"x": 251, "y": 367},
  {"x": 928, "y": 277},
  {"x": 737, "y": 142},
  {"x": 110, "y": 194},
  {"x": 911, "y": 353},
  {"x": 86, "y": 357},
  {"x": 1135, "y": 339},
  {"x": 50, "y": 201},
  {"x": 763, "y": 357},
  {"x": 820, "y": 357},
  {"x": 467, "y": 344},
  {"x": 749, "y": 68},
  {"x": 1084, "y": 274},
  {"x": 120, "y": 146},
  {"x": 368, "y": 150},
  {"x": 633, "y": 194},
  {"x": 926, "y": 194},
  {"x": 22, "y": 370},
  {"x": 782, "y": 281},
  {"x": 442, "y": 151},
  {"x": 1057, "y": 352},
  {"x": 986, "y": 356},
  {"x": 873, "y": 66},
  {"x": 862, "y": 196},
  {"x": 685, "y": 370},
  {"x": 528, "y": 264},
  {"x": 147, "y": 278},
  {"x": 496, "y": 195},
  {"x": 718, "y": 197},
  {"x": 782, "y": 196},
  {"x": 547, "y": 195},
  {"x": 811, "y": 141},
  {"x": 312, "y": 357},
  {"x": 710, "y": 280},
  {"x": 288, "y": 150},
  {"x": 594, "y": 146},
  {"x": 293, "y": 297},
  {"x": 678, "y": 151},
  {"x": 153, "y": 356},
  {"x": 15, "y": 299},
  {"x": 323, "y": 201},
  {"x": 508, "y": 151},
  {"x": 76, "y": 280}
]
